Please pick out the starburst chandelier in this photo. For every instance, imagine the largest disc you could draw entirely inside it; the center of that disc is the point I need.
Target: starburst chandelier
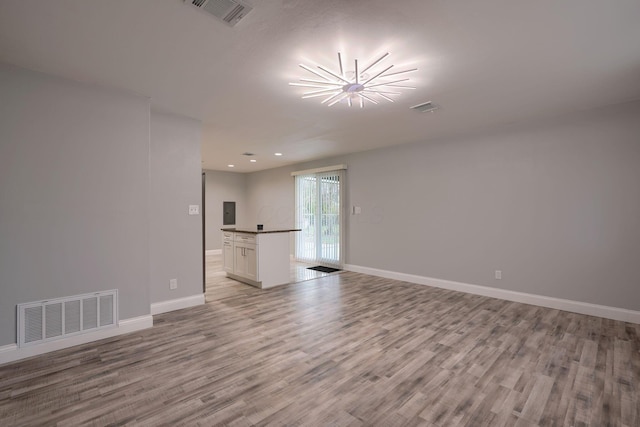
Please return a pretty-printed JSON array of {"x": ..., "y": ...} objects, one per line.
[{"x": 372, "y": 83}]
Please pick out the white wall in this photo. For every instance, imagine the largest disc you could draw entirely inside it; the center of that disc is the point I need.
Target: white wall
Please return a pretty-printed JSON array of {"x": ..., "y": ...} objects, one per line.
[
  {"x": 553, "y": 205},
  {"x": 221, "y": 187},
  {"x": 270, "y": 198},
  {"x": 175, "y": 182},
  {"x": 74, "y": 200}
]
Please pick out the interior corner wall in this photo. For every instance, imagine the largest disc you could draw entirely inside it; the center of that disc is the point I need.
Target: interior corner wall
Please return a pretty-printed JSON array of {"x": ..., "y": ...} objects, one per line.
[
  {"x": 221, "y": 186},
  {"x": 73, "y": 193},
  {"x": 175, "y": 182},
  {"x": 554, "y": 205}
]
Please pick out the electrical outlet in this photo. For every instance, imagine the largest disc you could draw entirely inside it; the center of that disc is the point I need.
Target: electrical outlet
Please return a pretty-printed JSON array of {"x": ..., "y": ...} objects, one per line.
[
  {"x": 194, "y": 209},
  {"x": 173, "y": 284},
  {"x": 498, "y": 274}
]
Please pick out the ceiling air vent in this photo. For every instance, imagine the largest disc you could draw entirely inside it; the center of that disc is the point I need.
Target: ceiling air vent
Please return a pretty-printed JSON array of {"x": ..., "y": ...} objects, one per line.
[
  {"x": 425, "y": 107},
  {"x": 230, "y": 11}
]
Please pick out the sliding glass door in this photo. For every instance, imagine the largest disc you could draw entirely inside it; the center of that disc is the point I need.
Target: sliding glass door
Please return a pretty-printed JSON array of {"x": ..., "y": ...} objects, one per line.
[{"x": 318, "y": 214}]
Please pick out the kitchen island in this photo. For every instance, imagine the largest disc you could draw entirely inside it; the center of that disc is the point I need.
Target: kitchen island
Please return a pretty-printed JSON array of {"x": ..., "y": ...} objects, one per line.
[{"x": 257, "y": 257}]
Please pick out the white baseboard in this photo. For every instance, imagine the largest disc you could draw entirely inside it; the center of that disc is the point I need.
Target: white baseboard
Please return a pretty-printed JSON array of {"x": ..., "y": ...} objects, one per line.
[
  {"x": 213, "y": 252},
  {"x": 607, "y": 312},
  {"x": 11, "y": 352},
  {"x": 177, "y": 304}
]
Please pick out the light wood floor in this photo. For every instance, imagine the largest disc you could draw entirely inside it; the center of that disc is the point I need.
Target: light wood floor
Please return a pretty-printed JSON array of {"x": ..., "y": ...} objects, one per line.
[
  {"x": 218, "y": 285},
  {"x": 342, "y": 350}
]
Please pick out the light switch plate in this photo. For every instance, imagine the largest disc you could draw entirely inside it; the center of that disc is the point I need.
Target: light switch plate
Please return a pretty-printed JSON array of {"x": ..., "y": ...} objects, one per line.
[{"x": 194, "y": 209}]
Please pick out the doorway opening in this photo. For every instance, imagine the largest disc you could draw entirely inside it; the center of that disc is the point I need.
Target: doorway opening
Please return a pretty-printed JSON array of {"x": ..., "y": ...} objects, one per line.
[{"x": 318, "y": 201}]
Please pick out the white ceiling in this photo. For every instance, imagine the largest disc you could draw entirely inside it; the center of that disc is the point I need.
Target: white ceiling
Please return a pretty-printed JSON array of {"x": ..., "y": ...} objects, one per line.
[{"x": 487, "y": 63}]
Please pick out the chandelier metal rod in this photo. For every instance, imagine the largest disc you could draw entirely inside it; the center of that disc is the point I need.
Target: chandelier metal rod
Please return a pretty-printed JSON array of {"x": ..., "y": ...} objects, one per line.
[
  {"x": 400, "y": 72},
  {"x": 385, "y": 97},
  {"x": 304, "y": 67},
  {"x": 380, "y": 91},
  {"x": 357, "y": 73},
  {"x": 312, "y": 85},
  {"x": 361, "y": 95},
  {"x": 329, "y": 99},
  {"x": 314, "y": 95},
  {"x": 378, "y": 75},
  {"x": 322, "y": 83},
  {"x": 403, "y": 87},
  {"x": 321, "y": 92},
  {"x": 375, "y": 62},
  {"x": 333, "y": 74},
  {"x": 388, "y": 83},
  {"x": 342, "y": 96}
]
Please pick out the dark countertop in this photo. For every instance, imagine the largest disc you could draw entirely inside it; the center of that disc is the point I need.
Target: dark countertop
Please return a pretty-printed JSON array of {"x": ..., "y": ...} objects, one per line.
[{"x": 256, "y": 231}]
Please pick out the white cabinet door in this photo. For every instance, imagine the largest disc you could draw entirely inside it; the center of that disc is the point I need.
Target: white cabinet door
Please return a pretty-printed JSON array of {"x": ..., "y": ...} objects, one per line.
[
  {"x": 246, "y": 261},
  {"x": 227, "y": 256},
  {"x": 251, "y": 258},
  {"x": 239, "y": 261}
]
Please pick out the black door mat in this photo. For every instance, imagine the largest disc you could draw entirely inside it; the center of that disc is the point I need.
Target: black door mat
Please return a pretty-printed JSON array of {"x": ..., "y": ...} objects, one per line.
[{"x": 324, "y": 269}]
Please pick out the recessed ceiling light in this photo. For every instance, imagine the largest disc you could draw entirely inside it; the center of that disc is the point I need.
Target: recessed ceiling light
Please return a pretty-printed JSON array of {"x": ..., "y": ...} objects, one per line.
[
  {"x": 253, "y": 160},
  {"x": 355, "y": 85},
  {"x": 278, "y": 154},
  {"x": 231, "y": 166}
]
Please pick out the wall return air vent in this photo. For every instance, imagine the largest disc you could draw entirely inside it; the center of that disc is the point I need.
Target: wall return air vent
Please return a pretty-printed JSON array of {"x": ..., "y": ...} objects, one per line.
[
  {"x": 229, "y": 11},
  {"x": 48, "y": 320}
]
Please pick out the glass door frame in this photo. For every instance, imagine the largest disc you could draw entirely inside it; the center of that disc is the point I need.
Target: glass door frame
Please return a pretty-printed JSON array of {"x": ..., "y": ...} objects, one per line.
[{"x": 340, "y": 172}]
